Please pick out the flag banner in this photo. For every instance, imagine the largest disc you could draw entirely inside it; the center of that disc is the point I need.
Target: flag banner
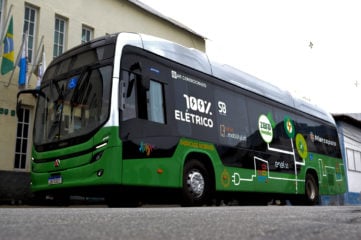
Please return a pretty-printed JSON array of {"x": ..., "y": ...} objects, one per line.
[
  {"x": 41, "y": 69},
  {"x": 23, "y": 62},
  {"x": 7, "y": 64}
]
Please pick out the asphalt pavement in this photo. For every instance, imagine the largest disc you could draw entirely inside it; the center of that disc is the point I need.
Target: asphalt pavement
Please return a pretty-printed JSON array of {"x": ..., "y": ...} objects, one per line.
[{"x": 160, "y": 222}]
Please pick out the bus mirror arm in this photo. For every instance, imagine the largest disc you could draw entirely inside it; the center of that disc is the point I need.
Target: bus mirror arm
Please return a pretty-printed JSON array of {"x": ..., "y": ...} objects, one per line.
[
  {"x": 136, "y": 66},
  {"x": 144, "y": 80},
  {"x": 34, "y": 92}
]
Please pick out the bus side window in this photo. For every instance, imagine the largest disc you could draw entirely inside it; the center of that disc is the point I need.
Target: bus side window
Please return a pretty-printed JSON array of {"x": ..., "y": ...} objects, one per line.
[
  {"x": 155, "y": 104},
  {"x": 144, "y": 103}
]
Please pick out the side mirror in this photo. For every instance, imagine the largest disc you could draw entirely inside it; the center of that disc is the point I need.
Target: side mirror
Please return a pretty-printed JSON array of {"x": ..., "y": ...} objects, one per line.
[{"x": 34, "y": 92}]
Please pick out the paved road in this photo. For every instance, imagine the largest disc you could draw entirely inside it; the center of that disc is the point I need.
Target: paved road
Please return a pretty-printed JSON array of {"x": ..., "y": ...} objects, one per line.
[{"x": 271, "y": 222}]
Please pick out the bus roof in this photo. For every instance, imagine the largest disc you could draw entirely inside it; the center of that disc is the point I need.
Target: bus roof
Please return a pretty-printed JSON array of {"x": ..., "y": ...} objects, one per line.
[{"x": 198, "y": 60}]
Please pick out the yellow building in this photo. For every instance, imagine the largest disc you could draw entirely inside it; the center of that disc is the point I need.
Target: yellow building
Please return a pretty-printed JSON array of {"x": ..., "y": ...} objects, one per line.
[{"x": 51, "y": 28}]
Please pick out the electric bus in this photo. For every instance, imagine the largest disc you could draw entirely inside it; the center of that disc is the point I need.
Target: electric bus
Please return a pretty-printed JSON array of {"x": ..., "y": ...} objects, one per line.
[{"x": 131, "y": 117}]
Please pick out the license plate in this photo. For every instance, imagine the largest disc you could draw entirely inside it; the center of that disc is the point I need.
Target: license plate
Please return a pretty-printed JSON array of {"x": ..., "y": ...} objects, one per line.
[{"x": 55, "y": 180}]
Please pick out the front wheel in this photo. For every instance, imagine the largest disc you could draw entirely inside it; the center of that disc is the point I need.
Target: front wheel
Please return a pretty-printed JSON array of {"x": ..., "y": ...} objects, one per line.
[{"x": 196, "y": 188}]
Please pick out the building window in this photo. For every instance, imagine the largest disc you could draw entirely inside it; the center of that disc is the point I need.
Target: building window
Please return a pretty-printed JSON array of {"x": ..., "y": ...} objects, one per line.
[
  {"x": 22, "y": 138},
  {"x": 1, "y": 13},
  {"x": 59, "y": 36},
  {"x": 86, "y": 34},
  {"x": 29, "y": 28},
  {"x": 353, "y": 160}
]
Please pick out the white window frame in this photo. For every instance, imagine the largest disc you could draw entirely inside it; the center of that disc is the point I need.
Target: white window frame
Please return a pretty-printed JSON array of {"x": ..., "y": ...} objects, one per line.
[
  {"x": 87, "y": 34},
  {"x": 22, "y": 140},
  {"x": 353, "y": 160},
  {"x": 60, "y": 27},
  {"x": 30, "y": 25}
]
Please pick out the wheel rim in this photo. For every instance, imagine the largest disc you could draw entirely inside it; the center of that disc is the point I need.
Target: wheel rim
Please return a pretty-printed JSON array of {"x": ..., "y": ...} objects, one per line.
[{"x": 195, "y": 183}]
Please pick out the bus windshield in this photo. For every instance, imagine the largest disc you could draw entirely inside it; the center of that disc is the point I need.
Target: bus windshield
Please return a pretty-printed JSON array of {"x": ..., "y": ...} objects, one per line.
[{"x": 73, "y": 107}]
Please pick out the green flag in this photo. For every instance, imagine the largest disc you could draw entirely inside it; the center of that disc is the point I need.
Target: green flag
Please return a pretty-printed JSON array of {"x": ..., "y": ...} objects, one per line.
[{"x": 8, "y": 57}]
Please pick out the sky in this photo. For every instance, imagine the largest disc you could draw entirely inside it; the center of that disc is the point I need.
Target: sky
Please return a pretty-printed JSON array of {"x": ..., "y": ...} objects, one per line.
[{"x": 312, "y": 48}]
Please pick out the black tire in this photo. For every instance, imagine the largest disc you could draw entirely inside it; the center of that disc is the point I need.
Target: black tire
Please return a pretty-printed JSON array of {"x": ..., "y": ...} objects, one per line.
[
  {"x": 196, "y": 190},
  {"x": 312, "y": 195}
]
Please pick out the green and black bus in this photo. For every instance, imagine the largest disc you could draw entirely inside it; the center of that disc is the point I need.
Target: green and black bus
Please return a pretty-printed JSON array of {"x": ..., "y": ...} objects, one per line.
[{"x": 131, "y": 117}]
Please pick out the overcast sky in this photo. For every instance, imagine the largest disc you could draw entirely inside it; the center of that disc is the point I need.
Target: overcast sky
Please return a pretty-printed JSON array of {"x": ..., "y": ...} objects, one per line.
[{"x": 270, "y": 39}]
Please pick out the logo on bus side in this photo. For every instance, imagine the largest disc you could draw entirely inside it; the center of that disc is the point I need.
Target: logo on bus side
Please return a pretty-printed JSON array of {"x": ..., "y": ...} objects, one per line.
[
  {"x": 222, "y": 108},
  {"x": 265, "y": 128},
  {"x": 225, "y": 178},
  {"x": 197, "y": 111},
  {"x": 289, "y": 127},
  {"x": 57, "y": 163},
  {"x": 177, "y": 75},
  {"x": 146, "y": 148},
  {"x": 229, "y": 132},
  {"x": 301, "y": 146}
]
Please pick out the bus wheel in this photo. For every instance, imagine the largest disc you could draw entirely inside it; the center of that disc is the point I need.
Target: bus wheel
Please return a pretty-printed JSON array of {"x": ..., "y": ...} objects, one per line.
[
  {"x": 311, "y": 190},
  {"x": 196, "y": 184}
]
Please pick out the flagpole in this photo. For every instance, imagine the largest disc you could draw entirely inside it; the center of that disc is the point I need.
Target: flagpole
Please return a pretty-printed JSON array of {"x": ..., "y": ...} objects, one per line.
[
  {"x": 41, "y": 68},
  {"x": 37, "y": 60}
]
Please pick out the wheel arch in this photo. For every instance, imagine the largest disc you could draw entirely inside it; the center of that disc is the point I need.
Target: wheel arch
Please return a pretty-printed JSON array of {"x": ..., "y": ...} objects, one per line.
[{"x": 314, "y": 173}]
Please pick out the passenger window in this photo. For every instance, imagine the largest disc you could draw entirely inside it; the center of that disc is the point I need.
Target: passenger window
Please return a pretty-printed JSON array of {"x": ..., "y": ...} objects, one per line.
[
  {"x": 141, "y": 102},
  {"x": 155, "y": 105}
]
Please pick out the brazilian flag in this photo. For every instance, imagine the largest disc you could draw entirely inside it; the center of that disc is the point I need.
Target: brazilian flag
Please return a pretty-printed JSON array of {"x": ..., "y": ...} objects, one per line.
[{"x": 7, "y": 64}]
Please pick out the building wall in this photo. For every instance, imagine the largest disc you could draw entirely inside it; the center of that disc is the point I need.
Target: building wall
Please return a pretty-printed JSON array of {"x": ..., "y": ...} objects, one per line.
[
  {"x": 352, "y": 141},
  {"x": 103, "y": 16},
  {"x": 351, "y": 136}
]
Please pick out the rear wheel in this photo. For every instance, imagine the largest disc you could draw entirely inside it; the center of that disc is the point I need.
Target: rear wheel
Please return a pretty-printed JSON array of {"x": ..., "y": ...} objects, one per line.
[
  {"x": 312, "y": 196},
  {"x": 196, "y": 189}
]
